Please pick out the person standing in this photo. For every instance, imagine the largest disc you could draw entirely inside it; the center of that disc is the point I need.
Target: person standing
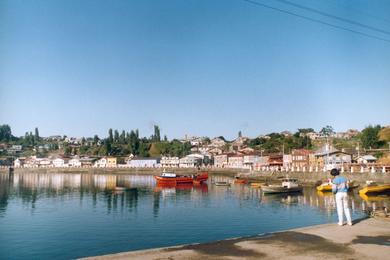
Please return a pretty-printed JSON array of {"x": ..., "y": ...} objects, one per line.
[{"x": 340, "y": 189}]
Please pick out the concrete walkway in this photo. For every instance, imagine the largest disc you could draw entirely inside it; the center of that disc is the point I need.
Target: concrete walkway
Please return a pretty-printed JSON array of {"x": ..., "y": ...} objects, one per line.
[{"x": 366, "y": 239}]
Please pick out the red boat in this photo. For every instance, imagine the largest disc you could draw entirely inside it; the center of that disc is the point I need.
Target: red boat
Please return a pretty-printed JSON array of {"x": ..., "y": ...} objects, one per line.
[{"x": 172, "y": 178}]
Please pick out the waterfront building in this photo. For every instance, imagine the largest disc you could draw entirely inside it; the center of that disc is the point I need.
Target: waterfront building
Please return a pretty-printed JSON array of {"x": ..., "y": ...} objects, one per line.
[
  {"x": 111, "y": 162},
  {"x": 300, "y": 158},
  {"x": 104, "y": 162},
  {"x": 75, "y": 162},
  {"x": 58, "y": 162},
  {"x": 251, "y": 160},
  {"x": 235, "y": 161},
  {"x": 287, "y": 160},
  {"x": 329, "y": 157},
  {"x": 191, "y": 161},
  {"x": 170, "y": 162},
  {"x": 365, "y": 159},
  {"x": 221, "y": 160},
  {"x": 144, "y": 162},
  {"x": 275, "y": 160},
  {"x": 87, "y": 162}
]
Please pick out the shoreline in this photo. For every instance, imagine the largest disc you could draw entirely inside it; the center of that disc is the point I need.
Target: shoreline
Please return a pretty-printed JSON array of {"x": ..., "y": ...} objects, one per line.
[
  {"x": 368, "y": 238},
  {"x": 306, "y": 178}
]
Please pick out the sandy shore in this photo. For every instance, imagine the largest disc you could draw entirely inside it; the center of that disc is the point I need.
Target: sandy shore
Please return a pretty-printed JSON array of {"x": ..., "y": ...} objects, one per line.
[{"x": 366, "y": 239}]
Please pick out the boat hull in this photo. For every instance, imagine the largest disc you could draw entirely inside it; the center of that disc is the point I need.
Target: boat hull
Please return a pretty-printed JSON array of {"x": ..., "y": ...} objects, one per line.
[
  {"x": 198, "y": 178},
  {"x": 273, "y": 190},
  {"x": 375, "y": 189}
]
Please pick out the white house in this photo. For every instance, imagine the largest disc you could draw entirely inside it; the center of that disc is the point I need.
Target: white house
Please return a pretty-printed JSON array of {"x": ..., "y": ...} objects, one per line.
[
  {"x": 191, "y": 161},
  {"x": 75, "y": 162},
  {"x": 170, "y": 162},
  {"x": 17, "y": 163},
  {"x": 59, "y": 162},
  {"x": 144, "y": 162},
  {"x": 101, "y": 163},
  {"x": 366, "y": 159},
  {"x": 236, "y": 161}
]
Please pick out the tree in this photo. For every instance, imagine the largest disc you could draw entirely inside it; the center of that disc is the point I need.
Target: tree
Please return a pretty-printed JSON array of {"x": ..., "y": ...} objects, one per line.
[
  {"x": 5, "y": 133},
  {"x": 327, "y": 130},
  {"x": 156, "y": 136},
  {"x": 370, "y": 137},
  {"x": 110, "y": 136},
  {"x": 239, "y": 134},
  {"x": 36, "y": 136},
  {"x": 116, "y": 136},
  {"x": 122, "y": 137},
  {"x": 95, "y": 139},
  {"x": 305, "y": 130}
]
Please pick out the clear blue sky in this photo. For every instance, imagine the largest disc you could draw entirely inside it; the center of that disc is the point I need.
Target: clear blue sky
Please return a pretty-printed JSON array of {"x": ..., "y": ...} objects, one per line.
[{"x": 196, "y": 67}]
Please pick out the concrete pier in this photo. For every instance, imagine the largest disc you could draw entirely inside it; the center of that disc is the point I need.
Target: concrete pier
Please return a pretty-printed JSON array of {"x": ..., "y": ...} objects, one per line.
[{"x": 366, "y": 239}]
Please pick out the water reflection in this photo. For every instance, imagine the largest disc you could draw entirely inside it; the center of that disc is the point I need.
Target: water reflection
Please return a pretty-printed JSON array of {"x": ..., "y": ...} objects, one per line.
[{"x": 30, "y": 188}]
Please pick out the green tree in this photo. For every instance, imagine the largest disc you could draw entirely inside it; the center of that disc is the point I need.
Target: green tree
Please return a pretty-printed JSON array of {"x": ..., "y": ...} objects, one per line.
[
  {"x": 327, "y": 130},
  {"x": 110, "y": 136},
  {"x": 95, "y": 139},
  {"x": 122, "y": 137},
  {"x": 36, "y": 136},
  {"x": 369, "y": 137},
  {"x": 156, "y": 136},
  {"x": 116, "y": 136},
  {"x": 5, "y": 133},
  {"x": 239, "y": 134}
]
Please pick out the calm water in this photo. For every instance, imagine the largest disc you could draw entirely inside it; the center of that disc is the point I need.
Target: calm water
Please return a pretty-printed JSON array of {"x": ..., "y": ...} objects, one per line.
[{"x": 74, "y": 215}]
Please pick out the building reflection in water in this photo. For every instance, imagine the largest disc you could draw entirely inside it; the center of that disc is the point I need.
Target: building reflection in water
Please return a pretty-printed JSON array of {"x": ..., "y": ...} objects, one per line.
[{"x": 101, "y": 188}]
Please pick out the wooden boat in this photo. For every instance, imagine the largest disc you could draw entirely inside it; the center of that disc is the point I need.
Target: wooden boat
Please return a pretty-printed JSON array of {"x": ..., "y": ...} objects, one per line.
[
  {"x": 327, "y": 187},
  {"x": 257, "y": 184},
  {"x": 373, "y": 188},
  {"x": 239, "y": 180},
  {"x": 288, "y": 185},
  {"x": 172, "y": 178},
  {"x": 221, "y": 183}
]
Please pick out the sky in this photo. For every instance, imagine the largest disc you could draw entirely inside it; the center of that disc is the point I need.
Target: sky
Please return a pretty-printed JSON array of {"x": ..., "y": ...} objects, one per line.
[{"x": 195, "y": 67}]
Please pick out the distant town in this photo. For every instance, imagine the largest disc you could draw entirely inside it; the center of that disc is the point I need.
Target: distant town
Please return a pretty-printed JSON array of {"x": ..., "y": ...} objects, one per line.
[{"x": 305, "y": 150}]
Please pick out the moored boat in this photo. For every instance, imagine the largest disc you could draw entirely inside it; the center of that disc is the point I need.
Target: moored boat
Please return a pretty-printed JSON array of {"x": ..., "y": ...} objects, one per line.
[
  {"x": 327, "y": 187},
  {"x": 239, "y": 180},
  {"x": 257, "y": 184},
  {"x": 288, "y": 185},
  {"x": 373, "y": 188},
  {"x": 173, "y": 178},
  {"x": 222, "y": 183}
]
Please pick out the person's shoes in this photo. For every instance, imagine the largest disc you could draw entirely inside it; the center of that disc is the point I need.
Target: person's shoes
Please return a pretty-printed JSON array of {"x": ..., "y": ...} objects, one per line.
[
  {"x": 340, "y": 224},
  {"x": 349, "y": 223}
]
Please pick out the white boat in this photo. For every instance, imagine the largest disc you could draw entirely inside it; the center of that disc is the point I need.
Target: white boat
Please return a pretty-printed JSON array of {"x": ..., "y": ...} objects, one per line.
[{"x": 288, "y": 185}]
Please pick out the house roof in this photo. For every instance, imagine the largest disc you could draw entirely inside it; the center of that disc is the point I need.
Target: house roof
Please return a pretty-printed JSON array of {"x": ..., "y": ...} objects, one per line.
[{"x": 368, "y": 157}]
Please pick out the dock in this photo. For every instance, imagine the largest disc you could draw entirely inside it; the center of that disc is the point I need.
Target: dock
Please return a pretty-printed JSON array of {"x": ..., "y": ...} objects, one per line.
[{"x": 366, "y": 239}]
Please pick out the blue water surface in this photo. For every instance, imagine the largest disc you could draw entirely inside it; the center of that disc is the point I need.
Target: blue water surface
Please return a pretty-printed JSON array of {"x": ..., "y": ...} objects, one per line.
[{"x": 66, "y": 216}]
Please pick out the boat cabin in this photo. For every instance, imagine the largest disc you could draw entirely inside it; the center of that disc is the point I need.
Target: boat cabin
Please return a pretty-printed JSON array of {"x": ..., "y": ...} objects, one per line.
[
  {"x": 168, "y": 175},
  {"x": 289, "y": 183}
]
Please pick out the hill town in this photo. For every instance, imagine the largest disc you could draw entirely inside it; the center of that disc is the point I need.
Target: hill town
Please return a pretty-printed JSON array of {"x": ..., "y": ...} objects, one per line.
[{"x": 304, "y": 150}]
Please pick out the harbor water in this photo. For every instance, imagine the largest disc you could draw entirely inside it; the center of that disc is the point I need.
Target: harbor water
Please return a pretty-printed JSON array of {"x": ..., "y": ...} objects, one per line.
[{"x": 66, "y": 216}]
